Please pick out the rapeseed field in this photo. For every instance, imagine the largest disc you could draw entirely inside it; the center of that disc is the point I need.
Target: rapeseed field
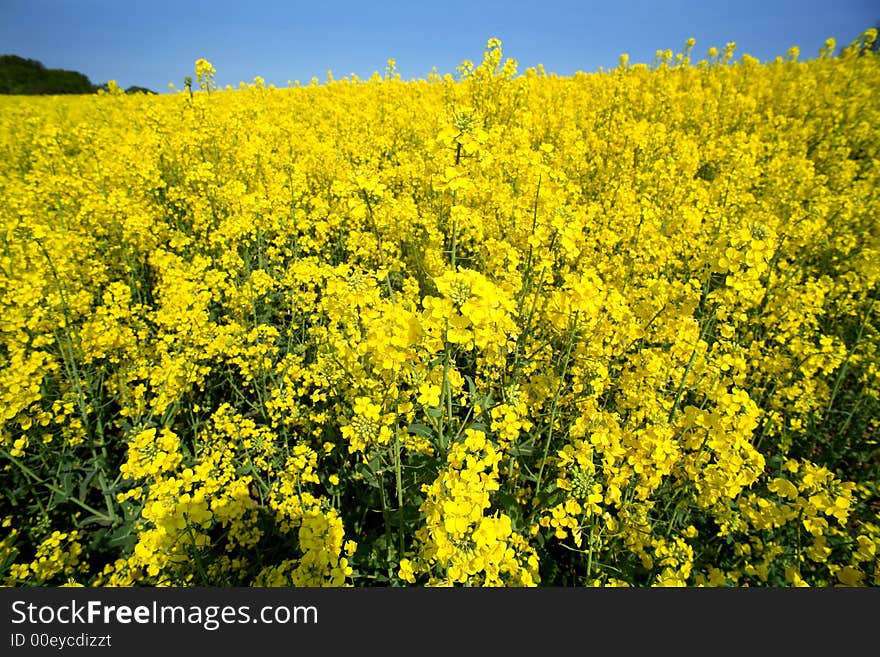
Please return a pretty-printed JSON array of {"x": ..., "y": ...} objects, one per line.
[{"x": 497, "y": 328}]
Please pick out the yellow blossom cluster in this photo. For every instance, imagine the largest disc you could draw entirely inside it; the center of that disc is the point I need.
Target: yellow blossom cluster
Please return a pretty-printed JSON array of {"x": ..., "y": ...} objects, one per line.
[{"x": 460, "y": 543}]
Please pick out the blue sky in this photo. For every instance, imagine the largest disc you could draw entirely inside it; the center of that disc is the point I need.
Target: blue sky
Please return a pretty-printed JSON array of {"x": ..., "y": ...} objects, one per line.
[{"x": 153, "y": 43}]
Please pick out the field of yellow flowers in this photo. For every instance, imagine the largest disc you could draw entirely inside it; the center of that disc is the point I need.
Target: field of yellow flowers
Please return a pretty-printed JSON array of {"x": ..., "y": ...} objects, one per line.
[{"x": 499, "y": 328}]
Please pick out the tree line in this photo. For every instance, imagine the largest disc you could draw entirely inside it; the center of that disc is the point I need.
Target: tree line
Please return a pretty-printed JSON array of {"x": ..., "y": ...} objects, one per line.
[{"x": 29, "y": 77}]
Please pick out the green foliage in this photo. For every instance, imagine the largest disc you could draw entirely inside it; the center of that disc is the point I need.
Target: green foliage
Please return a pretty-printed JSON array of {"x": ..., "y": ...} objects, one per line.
[
  {"x": 20, "y": 76},
  {"x": 139, "y": 90},
  {"x": 28, "y": 76}
]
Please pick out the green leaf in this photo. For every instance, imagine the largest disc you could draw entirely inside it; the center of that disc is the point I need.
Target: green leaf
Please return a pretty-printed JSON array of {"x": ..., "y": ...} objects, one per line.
[
  {"x": 434, "y": 412},
  {"x": 94, "y": 520},
  {"x": 522, "y": 449},
  {"x": 419, "y": 430}
]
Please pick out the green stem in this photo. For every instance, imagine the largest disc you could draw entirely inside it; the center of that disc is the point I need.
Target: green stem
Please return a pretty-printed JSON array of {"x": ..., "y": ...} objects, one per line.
[
  {"x": 388, "y": 539},
  {"x": 687, "y": 371},
  {"x": 590, "y": 556},
  {"x": 399, "y": 482},
  {"x": 555, "y": 404},
  {"x": 843, "y": 370},
  {"x": 454, "y": 243}
]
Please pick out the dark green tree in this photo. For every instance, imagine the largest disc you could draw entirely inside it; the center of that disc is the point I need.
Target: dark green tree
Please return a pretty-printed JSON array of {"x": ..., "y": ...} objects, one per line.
[{"x": 28, "y": 76}]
